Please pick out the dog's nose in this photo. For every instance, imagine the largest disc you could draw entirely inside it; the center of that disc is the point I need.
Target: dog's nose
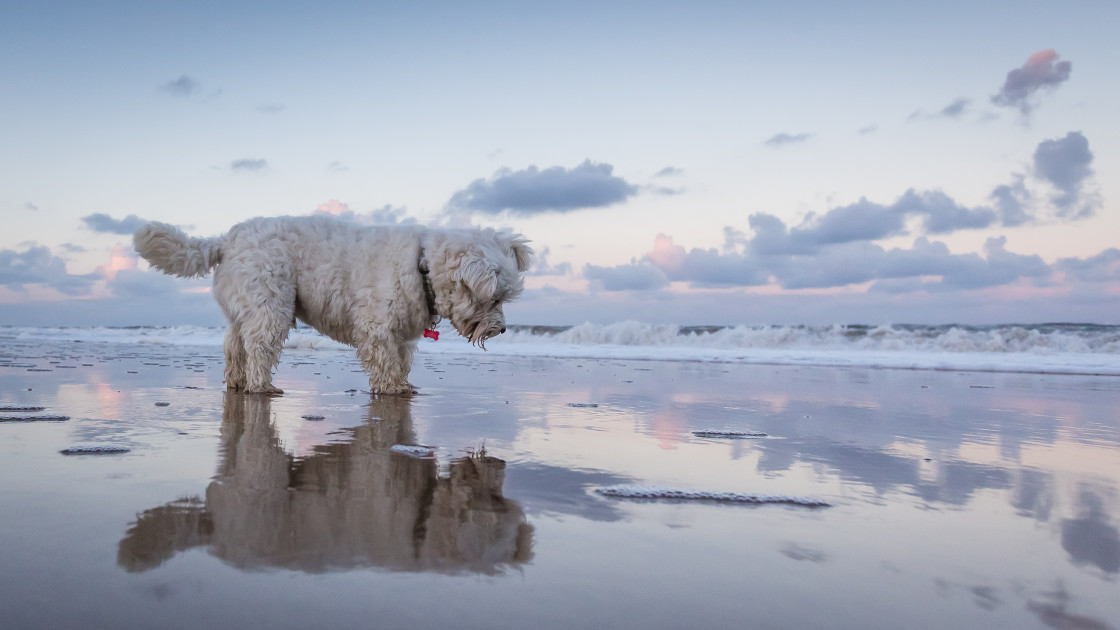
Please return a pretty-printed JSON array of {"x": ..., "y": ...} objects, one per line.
[{"x": 503, "y": 329}]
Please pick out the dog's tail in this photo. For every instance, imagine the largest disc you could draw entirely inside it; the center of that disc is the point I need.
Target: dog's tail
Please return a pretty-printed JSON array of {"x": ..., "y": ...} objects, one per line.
[{"x": 171, "y": 251}]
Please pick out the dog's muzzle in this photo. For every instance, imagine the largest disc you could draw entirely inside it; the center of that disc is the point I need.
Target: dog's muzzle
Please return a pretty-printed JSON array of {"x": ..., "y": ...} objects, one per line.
[{"x": 483, "y": 330}]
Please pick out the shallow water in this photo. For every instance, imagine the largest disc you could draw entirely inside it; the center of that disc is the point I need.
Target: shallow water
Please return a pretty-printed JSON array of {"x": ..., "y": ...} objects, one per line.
[{"x": 957, "y": 499}]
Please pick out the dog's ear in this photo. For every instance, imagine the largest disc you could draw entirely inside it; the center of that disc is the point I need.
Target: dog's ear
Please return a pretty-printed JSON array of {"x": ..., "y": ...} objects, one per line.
[
  {"x": 479, "y": 274},
  {"x": 522, "y": 253}
]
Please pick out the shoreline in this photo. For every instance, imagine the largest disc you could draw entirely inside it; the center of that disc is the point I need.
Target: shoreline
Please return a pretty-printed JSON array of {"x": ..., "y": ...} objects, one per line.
[{"x": 1008, "y": 480}]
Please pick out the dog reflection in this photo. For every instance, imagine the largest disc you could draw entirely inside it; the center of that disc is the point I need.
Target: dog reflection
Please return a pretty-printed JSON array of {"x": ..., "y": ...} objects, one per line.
[{"x": 347, "y": 505}]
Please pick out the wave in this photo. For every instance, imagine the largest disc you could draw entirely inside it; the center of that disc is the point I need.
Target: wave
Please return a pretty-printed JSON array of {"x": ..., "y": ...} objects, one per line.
[
  {"x": 1045, "y": 338},
  {"x": 1059, "y": 347}
]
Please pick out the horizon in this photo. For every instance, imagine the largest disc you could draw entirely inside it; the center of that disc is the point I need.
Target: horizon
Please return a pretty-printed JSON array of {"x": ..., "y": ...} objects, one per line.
[{"x": 682, "y": 328}]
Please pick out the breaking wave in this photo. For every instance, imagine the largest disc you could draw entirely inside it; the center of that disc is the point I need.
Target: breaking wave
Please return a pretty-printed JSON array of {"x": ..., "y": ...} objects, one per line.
[
  {"x": 1046, "y": 338},
  {"x": 1059, "y": 348}
]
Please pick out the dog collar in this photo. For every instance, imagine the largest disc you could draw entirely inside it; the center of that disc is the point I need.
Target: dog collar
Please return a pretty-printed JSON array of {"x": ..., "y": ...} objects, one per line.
[{"x": 429, "y": 296}]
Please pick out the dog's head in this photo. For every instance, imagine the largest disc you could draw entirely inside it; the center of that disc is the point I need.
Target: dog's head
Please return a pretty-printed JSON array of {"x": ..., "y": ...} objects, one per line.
[{"x": 481, "y": 271}]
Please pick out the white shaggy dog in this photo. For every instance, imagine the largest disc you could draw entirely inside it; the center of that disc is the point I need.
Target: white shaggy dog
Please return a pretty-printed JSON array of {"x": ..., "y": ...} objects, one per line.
[{"x": 374, "y": 288}]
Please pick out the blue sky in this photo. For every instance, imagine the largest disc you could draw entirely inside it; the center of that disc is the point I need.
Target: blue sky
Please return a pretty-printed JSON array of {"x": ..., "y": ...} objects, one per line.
[{"x": 708, "y": 162}]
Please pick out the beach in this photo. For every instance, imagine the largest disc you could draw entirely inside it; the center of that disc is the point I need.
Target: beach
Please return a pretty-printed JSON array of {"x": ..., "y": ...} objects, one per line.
[{"x": 525, "y": 490}]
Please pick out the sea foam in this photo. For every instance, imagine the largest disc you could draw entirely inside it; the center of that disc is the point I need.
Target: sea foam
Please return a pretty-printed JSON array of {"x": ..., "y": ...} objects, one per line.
[
  {"x": 673, "y": 494},
  {"x": 1045, "y": 348}
]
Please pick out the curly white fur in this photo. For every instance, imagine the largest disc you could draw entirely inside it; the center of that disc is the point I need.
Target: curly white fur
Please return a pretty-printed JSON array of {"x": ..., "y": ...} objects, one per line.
[{"x": 358, "y": 285}]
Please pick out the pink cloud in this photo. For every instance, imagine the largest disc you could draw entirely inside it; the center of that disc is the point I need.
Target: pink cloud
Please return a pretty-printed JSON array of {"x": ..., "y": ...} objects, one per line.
[
  {"x": 666, "y": 254},
  {"x": 121, "y": 259},
  {"x": 333, "y": 206}
]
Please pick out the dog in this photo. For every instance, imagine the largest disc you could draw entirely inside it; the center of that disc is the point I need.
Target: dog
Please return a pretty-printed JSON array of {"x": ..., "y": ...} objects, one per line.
[{"x": 375, "y": 288}]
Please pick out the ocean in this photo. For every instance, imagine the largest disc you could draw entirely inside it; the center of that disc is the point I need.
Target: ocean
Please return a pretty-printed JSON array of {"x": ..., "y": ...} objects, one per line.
[{"x": 1059, "y": 348}]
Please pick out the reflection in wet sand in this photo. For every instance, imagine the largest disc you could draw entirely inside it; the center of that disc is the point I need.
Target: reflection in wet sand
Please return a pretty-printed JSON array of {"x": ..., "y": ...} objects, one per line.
[{"x": 351, "y": 504}]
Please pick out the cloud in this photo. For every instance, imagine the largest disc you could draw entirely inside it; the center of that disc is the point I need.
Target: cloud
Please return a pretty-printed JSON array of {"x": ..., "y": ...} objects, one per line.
[
  {"x": 37, "y": 265},
  {"x": 250, "y": 165},
  {"x": 100, "y": 222},
  {"x": 1066, "y": 164},
  {"x": 120, "y": 259},
  {"x": 184, "y": 86},
  {"x": 533, "y": 191},
  {"x": 732, "y": 238},
  {"x": 859, "y": 221},
  {"x": 705, "y": 267},
  {"x": 1104, "y": 267},
  {"x": 385, "y": 215},
  {"x": 668, "y": 171},
  {"x": 953, "y": 110},
  {"x": 542, "y": 268},
  {"x": 782, "y": 139},
  {"x": 941, "y": 215},
  {"x": 662, "y": 191},
  {"x": 1037, "y": 73},
  {"x": 928, "y": 266},
  {"x": 30, "y": 206},
  {"x": 868, "y": 129},
  {"x": 838, "y": 248},
  {"x": 1013, "y": 202},
  {"x": 337, "y": 167},
  {"x": 636, "y": 276},
  {"x": 270, "y": 108},
  {"x": 962, "y": 271},
  {"x": 129, "y": 284},
  {"x": 865, "y": 221}
]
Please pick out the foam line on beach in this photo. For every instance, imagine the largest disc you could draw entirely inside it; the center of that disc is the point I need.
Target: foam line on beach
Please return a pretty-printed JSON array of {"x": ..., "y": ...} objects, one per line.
[
  {"x": 413, "y": 450},
  {"x": 94, "y": 449},
  {"x": 1084, "y": 349},
  {"x": 655, "y": 492},
  {"x": 34, "y": 418},
  {"x": 729, "y": 434}
]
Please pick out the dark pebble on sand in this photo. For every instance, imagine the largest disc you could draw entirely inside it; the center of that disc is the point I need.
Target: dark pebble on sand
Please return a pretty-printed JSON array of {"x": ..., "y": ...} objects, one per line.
[
  {"x": 16, "y": 408},
  {"x": 313, "y": 417},
  {"x": 162, "y": 404}
]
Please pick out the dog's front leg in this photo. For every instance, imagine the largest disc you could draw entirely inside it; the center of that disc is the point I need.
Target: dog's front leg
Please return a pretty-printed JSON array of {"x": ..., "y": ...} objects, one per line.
[{"x": 388, "y": 363}]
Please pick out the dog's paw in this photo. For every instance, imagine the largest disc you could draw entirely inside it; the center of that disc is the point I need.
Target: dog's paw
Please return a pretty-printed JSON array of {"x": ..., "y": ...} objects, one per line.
[
  {"x": 405, "y": 389},
  {"x": 268, "y": 390}
]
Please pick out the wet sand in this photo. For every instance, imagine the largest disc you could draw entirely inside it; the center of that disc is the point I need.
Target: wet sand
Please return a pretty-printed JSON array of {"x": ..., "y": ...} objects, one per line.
[{"x": 955, "y": 499}]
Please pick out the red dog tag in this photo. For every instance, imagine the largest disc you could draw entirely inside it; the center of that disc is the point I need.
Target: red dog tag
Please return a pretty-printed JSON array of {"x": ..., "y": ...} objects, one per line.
[{"x": 431, "y": 334}]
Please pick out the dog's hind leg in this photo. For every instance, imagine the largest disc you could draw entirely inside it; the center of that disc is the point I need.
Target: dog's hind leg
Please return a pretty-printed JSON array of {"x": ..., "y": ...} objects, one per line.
[
  {"x": 263, "y": 339},
  {"x": 263, "y": 329},
  {"x": 258, "y": 299},
  {"x": 235, "y": 359}
]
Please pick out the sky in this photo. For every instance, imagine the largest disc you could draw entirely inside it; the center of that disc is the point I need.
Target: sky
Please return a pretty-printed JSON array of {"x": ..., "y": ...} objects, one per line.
[{"x": 690, "y": 163}]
